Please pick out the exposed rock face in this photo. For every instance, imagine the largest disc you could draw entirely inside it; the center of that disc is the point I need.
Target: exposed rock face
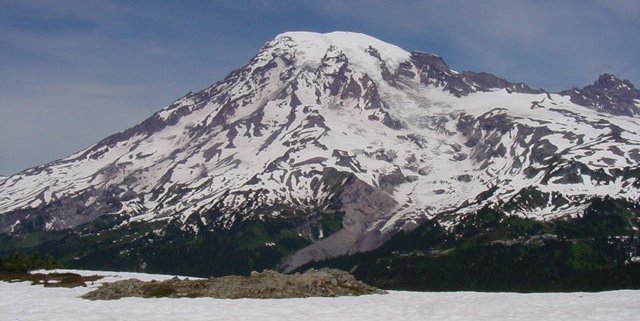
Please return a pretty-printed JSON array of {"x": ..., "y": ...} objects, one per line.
[
  {"x": 435, "y": 72},
  {"x": 486, "y": 81},
  {"x": 267, "y": 284},
  {"x": 608, "y": 94},
  {"x": 365, "y": 207}
]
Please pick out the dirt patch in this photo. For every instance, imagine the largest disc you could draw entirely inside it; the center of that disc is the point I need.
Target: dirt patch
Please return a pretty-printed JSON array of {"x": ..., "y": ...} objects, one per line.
[{"x": 66, "y": 280}]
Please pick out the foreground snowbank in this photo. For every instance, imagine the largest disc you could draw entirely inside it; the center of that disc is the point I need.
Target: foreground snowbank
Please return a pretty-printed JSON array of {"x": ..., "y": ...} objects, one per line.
[{"x": 24, "y": 302}]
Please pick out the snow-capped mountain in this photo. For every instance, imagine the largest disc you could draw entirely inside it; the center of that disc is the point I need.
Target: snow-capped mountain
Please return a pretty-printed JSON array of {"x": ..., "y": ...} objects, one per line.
[{"x": 343, "y": 123}]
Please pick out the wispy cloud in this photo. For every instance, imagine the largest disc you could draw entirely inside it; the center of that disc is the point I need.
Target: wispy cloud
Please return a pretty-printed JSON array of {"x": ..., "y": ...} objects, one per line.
[{"x": 628, "y": 8}]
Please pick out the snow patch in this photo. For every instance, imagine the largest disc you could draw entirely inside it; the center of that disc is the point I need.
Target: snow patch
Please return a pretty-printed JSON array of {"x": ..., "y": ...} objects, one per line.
[{"x": 22, "y": 301}]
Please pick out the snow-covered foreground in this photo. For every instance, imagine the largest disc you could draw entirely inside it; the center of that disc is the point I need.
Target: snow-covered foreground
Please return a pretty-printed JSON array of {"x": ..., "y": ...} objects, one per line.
[{"x": 22, "y": 302}]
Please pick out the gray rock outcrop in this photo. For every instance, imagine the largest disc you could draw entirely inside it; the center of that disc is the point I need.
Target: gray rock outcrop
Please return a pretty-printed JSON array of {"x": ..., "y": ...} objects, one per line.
[{"x": 266, "y": 284}]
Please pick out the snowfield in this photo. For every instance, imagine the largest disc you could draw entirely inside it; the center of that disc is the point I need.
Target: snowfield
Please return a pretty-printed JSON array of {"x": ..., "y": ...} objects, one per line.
[{"x": 24, "y": 302}]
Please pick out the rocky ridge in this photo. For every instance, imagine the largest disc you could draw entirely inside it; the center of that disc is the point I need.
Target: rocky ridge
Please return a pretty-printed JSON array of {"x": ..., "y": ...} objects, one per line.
[{"x": 608, "y": 94}]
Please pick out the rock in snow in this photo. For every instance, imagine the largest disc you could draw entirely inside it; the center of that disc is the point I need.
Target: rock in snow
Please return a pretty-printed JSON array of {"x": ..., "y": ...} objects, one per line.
[{"x": 266, "y": 284}]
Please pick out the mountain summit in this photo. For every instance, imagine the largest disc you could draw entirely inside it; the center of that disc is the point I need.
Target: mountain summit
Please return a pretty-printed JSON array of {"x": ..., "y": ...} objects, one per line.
[
  {"x": 608, "y": 94},
  {"x": 325, "y": 145}
]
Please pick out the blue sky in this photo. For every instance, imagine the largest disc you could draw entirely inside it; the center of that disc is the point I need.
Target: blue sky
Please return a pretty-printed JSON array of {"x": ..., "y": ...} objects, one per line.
[{"x": 73, "y": 72}]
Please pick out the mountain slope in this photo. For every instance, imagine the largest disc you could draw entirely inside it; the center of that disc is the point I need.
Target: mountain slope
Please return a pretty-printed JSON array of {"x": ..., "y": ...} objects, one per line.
[{"x": 338, "y": 141}]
